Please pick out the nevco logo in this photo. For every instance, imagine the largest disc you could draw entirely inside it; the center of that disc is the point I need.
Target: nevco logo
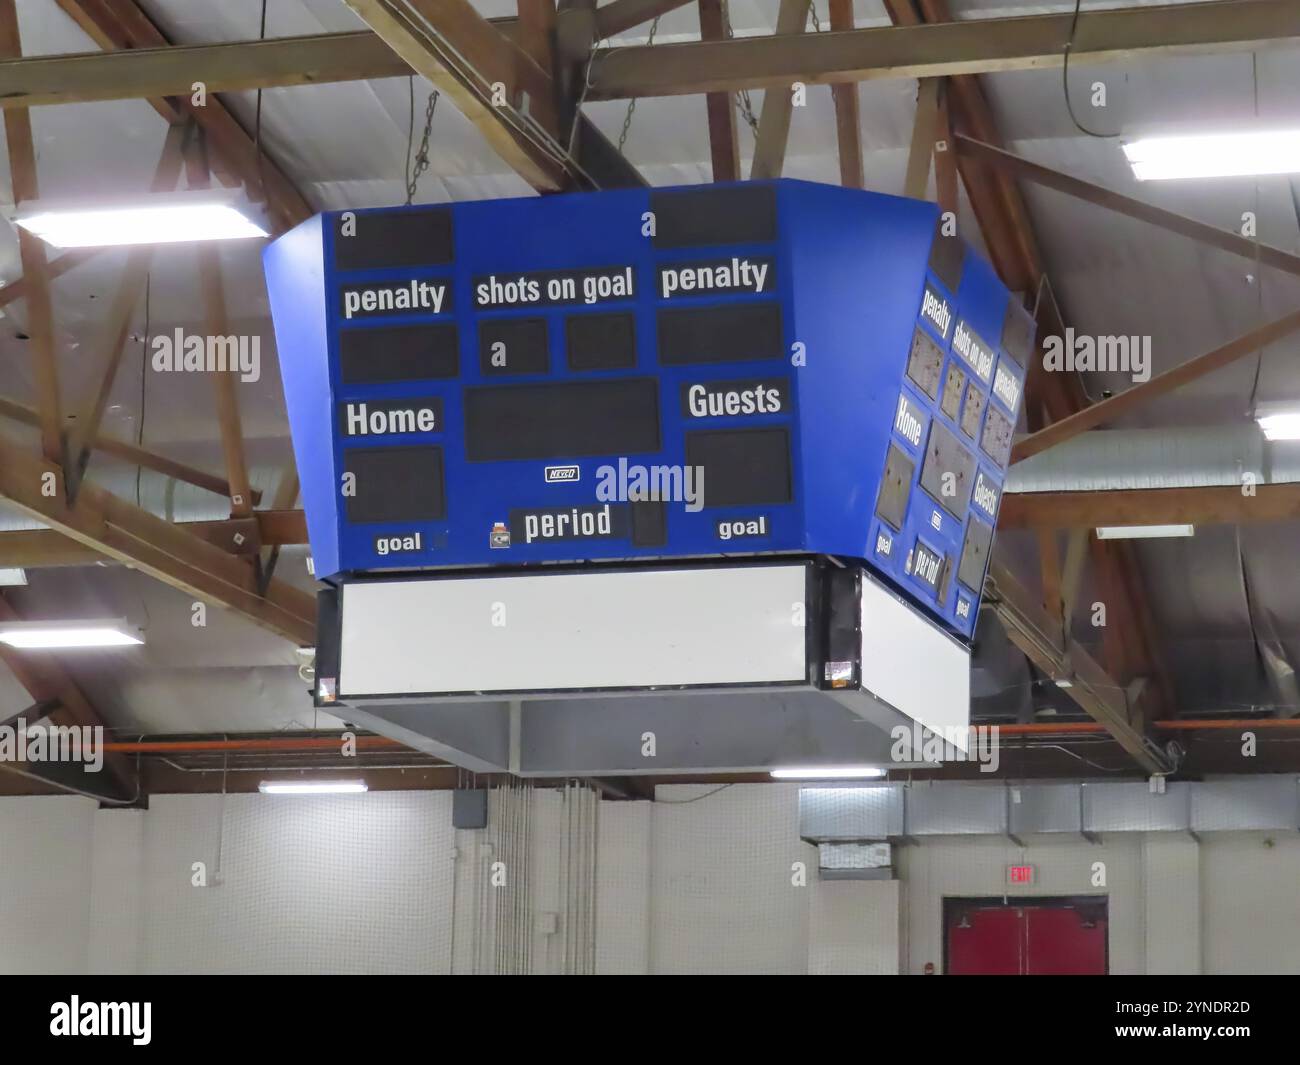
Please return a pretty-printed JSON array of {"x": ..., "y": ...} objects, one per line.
[
  {"x": 562, "y": 474},
  {"x": 935, "y": 309},
  {"x": 908, "y": 421}
]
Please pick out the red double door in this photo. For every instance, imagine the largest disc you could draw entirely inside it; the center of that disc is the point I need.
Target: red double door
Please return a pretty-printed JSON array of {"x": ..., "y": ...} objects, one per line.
[{"x": 1025, "y": 937}]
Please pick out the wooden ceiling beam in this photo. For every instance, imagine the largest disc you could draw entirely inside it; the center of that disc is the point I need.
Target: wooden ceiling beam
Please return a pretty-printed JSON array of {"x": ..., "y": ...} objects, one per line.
[
  {"x": 1161, "y": 384},
  {"x": 778, "y": 102},
  {"x": 936, "y": 49},
  {"x": 848, "y": 123},
  {"x": 47, "y": 681},
  {"x": 724, "y": 144},
  {"x": 491, "y": 80},
  {"x": 154, "y": 546},
  {"x": 1225, "y": 240},
  {"x": 619, "y": 16},
  {"x": 1209, "y": 505},
  {"x": 124, "y": 31},
  {"x": 31, "y": 250}
]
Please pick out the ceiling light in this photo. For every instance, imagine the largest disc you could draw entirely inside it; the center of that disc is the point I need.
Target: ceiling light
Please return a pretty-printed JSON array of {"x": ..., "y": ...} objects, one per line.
[
  {"x": 1143, "y": 532},
  {"x": 48, "y": 635},
  {"x": 829, "y": 772},
  {"x": 1280, "y": 424},
  {"x": 1215, "y": 155},
  {"x": 12, "y": 578},
  {"x": 312, "y": 787},
  {"x": 163, "y": 218}
]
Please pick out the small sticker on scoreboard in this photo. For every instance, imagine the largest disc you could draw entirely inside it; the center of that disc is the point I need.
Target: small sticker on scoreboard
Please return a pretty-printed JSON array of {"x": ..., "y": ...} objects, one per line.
[
  {"x": 839, "y": 674},
  {"x": 499, "y": 537}
]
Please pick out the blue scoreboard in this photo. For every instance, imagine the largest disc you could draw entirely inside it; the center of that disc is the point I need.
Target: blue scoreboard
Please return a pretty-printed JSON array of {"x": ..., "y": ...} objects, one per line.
[{"x": 749, "y": 369}]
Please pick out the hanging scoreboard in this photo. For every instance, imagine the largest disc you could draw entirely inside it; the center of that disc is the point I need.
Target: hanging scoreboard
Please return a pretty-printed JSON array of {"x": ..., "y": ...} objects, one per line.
[{"x": 749, "y": 369}]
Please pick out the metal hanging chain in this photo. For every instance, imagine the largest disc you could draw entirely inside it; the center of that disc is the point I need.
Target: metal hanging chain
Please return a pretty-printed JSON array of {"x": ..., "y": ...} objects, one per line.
[
  {"x": 743, "y": 103},
  {"x": 812, "y": 10},
  {"x": 631, "y": 104},
  {"x": 415, "y": 169}
]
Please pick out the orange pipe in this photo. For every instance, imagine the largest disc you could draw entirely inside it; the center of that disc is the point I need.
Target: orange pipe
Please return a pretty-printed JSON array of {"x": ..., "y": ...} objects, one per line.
[{"x": 379, "y": 743}]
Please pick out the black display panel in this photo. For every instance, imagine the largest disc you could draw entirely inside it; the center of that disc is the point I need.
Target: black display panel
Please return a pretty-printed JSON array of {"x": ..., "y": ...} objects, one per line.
[
  {"x": 562, "y": 420},
  {"x": 392, "y": 238},
  {"x": 734, "y": 214},
  {"x": 947, "y": 256},
  {"x": 742, "y": 466},
  {"x": 600, "y": 341},
  {"x": 513, "y": 346},
  {"x": 395, "y": 484},
  {"x": 1017, "y": 331},
  {"x": 649, "y": 523},
  {"x": 733, "y": 332},
  {"x": 398, "y": 353}
]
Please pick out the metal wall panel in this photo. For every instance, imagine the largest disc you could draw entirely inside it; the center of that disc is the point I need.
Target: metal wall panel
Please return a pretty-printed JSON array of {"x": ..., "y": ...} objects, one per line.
[
  {"x": 1249, "y": 803},
  {"x": 1133, "y": 807},
  {"x": 865, "y": 813},
  {"x": 1046, "y": 808},
  {"x": 955, "y": 810}
]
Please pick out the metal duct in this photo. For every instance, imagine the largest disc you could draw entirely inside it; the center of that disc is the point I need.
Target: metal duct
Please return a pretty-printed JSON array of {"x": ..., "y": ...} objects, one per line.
[
  {"x": 161, "y": 495},
  {"x": 944, "y": 808},
  {"x": 855, "y": 861},
  {"x": 1188, "y": 457}
]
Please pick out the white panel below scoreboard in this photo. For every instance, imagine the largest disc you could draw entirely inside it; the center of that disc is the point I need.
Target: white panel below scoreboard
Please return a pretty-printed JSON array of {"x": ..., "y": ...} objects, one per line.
[
  {"x": 610, "y": 629},
  {"x": 914, "y": 667}
]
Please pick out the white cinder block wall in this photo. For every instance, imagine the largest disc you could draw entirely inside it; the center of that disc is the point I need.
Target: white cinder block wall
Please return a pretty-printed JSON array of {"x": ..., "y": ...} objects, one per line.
[{"x": 701, "y": 881}]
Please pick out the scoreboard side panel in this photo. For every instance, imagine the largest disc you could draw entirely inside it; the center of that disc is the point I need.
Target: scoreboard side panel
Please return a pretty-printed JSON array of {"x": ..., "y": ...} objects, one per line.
[{"x": 296, "y": 289}]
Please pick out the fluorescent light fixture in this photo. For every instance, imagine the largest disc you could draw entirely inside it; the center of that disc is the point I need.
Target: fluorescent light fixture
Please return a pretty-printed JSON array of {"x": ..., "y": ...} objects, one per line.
[
  {"x": 162, "y": 218},
  {"x": 1208, "y": 155},
  {"x": 1280, "y": 424},
  {"x": 829, "y": 772},
  {"x": 312, "y": 787},
  {"x": 12, "y": 578},
  {"x": 1143, "y": 532},
  {"x": 50, "y": 635}
]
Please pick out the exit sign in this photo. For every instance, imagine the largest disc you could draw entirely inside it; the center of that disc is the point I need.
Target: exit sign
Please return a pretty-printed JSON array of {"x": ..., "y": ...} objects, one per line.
[{"x": 1020, "y": 874}]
